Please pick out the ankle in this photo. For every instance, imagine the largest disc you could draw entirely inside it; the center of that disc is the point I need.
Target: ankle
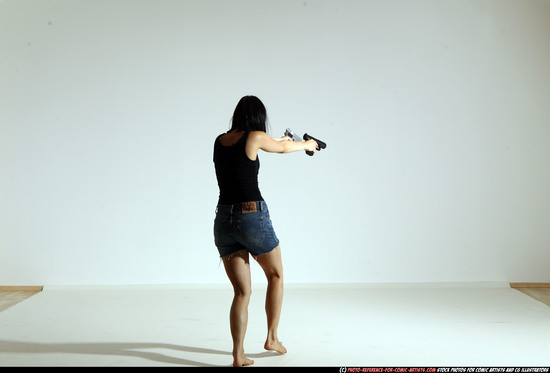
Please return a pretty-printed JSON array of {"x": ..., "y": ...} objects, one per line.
[{"x": 239, "y": 352}]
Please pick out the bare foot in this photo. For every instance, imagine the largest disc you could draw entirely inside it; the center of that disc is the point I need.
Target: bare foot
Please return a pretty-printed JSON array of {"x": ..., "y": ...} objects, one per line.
[
  {"x": 242, "y": 361},
  {"x": 275, "y": 346}
]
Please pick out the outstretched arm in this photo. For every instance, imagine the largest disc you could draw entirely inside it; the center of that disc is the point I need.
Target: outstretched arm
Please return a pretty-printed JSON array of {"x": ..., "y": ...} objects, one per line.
[
  {"x": 260, "y": 140},
  {"x": 284, "y": 138}
]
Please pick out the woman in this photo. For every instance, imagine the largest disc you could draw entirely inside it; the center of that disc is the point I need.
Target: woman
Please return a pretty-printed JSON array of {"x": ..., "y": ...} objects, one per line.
[{"x": 242, "y": 225}]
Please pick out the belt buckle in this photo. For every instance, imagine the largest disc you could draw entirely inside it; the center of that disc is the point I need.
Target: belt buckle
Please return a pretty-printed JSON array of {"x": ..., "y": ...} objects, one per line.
[{"x": 248, "y": 207}]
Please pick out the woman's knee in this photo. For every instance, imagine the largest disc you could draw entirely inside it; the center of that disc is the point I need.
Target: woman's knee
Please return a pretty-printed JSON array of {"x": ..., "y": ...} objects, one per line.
[
  {"x": 275, "y": 277},
  {"x": 274, "y": 274},
  {"x": 243, "y": 291}
]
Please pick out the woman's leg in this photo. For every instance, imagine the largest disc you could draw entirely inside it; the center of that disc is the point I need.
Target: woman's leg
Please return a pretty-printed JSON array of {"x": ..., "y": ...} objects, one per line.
[
  {"x": 272, "y": 265},
  {"x": 237, "y": 267}
]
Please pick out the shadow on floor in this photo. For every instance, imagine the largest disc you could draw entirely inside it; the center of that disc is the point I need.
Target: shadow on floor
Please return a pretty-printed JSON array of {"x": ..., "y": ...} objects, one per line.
[{"x": 119, "y": 349}]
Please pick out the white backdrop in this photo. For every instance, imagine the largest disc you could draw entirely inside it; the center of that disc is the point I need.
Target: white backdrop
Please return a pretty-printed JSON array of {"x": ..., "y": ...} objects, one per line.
[{"x": 436, "y": 115}]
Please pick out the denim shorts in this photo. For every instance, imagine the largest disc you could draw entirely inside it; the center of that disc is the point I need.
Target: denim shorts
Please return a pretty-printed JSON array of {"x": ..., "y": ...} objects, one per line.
[{"x": 236, "y": 230}]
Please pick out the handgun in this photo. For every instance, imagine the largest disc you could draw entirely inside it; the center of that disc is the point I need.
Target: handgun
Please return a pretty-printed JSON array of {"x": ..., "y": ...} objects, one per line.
[
  {"x": 294, "y": 137},
  {"x": 320, "y": 144}
]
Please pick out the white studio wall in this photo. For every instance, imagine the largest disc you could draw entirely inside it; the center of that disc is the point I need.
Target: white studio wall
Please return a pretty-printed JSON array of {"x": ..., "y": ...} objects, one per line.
[{"x": 436, "y": 115}]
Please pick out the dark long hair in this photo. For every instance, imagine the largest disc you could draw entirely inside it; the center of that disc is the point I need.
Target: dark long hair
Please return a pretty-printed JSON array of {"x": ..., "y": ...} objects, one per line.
[{"x": 249, "y": 115}]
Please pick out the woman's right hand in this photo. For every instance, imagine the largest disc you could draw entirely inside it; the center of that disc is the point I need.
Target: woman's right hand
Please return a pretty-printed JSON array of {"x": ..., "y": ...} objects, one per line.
[{"x": 311, "y": 145}]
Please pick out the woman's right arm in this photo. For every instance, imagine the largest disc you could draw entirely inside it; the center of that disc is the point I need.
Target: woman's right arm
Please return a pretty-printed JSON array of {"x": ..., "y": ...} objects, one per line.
[{"x": 261, "y": 140}]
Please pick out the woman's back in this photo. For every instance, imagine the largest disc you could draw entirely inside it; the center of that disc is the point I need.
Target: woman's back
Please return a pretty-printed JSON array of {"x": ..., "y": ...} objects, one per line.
[{"x": 236, "y": 173}]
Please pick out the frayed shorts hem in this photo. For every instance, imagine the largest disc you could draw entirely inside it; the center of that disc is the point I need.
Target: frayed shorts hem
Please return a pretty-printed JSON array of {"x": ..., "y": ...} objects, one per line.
[{"x": 255, "y": 256}]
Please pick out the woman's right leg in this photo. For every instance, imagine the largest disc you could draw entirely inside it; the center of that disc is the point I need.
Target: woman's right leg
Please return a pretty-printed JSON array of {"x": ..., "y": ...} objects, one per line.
[
  {"x": 272, "y": 265},
  {"x": 237, "y": 267}
]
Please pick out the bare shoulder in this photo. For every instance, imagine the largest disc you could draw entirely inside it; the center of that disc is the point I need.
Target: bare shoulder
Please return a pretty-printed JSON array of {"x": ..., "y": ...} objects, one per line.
[{"x": 257, "y": 136}]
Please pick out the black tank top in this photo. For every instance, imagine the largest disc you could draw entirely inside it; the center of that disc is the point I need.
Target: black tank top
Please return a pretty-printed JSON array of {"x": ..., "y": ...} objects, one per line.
[{"x": 236, "y": 173}]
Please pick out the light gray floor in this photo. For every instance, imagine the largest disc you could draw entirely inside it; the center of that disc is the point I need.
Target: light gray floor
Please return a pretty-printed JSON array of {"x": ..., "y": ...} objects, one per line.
[{"x": 321, "y": 325}]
